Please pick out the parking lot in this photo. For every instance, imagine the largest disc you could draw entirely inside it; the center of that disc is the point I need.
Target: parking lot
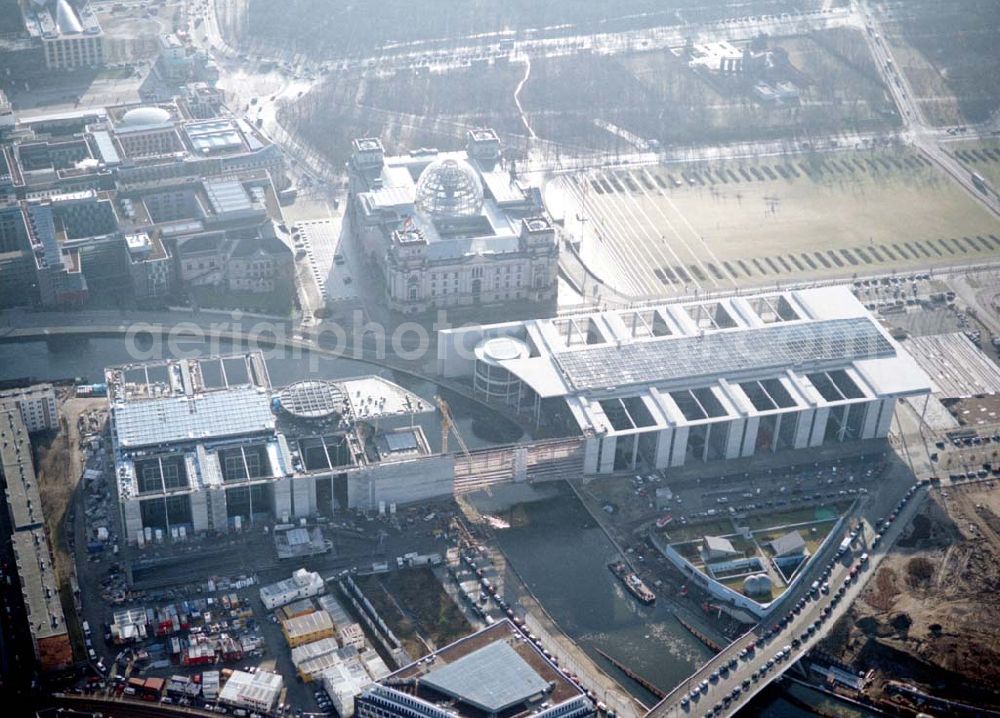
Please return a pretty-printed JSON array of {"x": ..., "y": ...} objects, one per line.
[
  {"x": 205, "y": 590},
  {"x": 322, "y": 253},
  {"x": 691, "y": 501}
]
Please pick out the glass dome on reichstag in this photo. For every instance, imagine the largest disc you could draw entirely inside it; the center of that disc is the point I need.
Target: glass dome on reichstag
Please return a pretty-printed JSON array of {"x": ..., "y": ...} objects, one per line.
[{"x": 449, "y": 188}]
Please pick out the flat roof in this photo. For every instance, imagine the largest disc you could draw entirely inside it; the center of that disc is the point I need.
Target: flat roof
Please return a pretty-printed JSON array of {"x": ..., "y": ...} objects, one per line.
[
  {"x": 38, "y": 583},
  {"x": 496, "y": 666},
  {"x": 372, "y": 396},
  {"x": 23, "y": 500},
  {"x": 33, "y": 391},
  {"x": 210, "y": 136},
  {"x": 106, "y": 147},
  {"x": 255, "y": 689},
  {"x": 492, "y": 679},
  {"x": 309, "y": 623},
  {"x": 235, "y": 411},
  {"x": 786, "y": 345}
]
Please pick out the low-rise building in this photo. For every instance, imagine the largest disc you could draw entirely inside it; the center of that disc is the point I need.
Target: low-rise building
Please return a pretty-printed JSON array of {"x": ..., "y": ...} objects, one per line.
[
  {"x": 297, "y": 608},
  {"x": 351, "y": 634},
  {"x": 717, "y": 548},
  {"x": 790, "y": 544},
  {"x": 307, "y": 628},
  {"x": 302, "y": 584},
  {"x": 320, "y": 656},
  {"x": 344, "y": 680},
  {"x": 494, "y": 672},
  {"x": 258, "y": 691}
]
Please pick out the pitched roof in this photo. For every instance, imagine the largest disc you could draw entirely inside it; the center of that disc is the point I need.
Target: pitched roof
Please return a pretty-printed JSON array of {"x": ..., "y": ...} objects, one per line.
[
  {"x": 717, "y": 543},
  {"x": 791, "y": 542}
]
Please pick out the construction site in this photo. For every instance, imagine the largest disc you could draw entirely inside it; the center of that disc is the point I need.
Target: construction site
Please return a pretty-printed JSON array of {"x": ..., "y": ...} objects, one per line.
[{"x": 928, "y": 621}]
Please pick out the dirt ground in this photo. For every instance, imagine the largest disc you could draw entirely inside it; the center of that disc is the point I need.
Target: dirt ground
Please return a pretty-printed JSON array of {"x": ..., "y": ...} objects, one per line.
[
  {"x": 416, "y": 608},
  {"x": 58, "y": 465},
  {"x": 930, "y": 616}
]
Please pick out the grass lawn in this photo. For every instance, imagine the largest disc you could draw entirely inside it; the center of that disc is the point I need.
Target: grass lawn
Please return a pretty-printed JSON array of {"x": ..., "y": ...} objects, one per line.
[
  {"x": 971, "y": 154},
  {"x": 807, "y": 514},
  {"x": 787, "y": 218},
  {"x": 696, "y": 531}
]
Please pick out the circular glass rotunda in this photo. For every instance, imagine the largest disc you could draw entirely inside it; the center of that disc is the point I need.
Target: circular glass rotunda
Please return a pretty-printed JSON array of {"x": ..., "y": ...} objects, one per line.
[{"x": 449, "y": 188}]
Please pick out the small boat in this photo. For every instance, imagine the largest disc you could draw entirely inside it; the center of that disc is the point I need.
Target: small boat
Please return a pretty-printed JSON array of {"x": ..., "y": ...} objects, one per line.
[{"x": 633, "y": 583}]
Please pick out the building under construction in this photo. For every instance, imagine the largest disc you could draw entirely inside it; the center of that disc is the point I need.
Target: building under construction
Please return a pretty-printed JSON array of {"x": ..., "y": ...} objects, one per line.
[{"x": 207, "y": 445}]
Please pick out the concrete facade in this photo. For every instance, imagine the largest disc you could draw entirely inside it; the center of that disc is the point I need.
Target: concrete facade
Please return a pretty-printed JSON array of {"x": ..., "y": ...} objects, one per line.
[
  {"x": 193, "y": 458},
  {"x": 37, "y": 405},
  {"x": 665, "y": 386}
]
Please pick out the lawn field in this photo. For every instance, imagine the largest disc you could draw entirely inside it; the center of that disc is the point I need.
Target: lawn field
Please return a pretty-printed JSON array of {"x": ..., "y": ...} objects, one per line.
[
  {"x": 654, "y": 231},
  {"x": 979, "y": 156}
]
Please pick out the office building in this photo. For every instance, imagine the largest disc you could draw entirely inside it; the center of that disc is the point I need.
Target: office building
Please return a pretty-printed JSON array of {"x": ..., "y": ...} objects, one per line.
[
  {"x": 68, "y": 31},
  {"x": 208, "y": 446},
  {"x": 303, "y": 584},
  {"x": 32, "y": 552},
  {"x": 495, "y": 672},
  {"x": 667, "y": 385}
]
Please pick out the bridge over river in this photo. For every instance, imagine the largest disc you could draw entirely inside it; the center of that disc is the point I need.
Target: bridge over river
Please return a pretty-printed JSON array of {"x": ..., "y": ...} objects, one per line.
[{"x": 728, "y": 693}]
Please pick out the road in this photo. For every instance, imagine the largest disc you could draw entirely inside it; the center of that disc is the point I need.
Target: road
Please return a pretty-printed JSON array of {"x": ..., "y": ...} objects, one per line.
[
  {"x": 918, "y": 131},
  {"x": 672, "y": 705}
]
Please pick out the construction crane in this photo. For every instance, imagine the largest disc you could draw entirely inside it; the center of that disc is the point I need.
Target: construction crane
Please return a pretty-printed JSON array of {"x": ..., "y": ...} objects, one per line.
[{"x": 448, "y": 425}]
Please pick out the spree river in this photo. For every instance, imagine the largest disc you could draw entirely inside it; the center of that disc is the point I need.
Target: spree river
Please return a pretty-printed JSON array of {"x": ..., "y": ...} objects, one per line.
[
  {"x": 87, "y": 359},
  {"x": 553, "y": 543},
  {"x": 562, "y": 555}
]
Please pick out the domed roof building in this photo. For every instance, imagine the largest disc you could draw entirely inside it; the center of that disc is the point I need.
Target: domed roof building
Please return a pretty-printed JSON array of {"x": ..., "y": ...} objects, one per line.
[
  {"x": 455, "y": 228},
  {"x": 449, "y": 188},
  {"x": 145, "y": 116}
]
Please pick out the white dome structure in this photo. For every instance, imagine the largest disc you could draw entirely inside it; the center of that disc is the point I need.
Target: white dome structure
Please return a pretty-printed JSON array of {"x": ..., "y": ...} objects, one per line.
[
  {"x": 449, "y": 188},
  {"x": 145, "y": 116},
  {"x": 757, "y": 585}
]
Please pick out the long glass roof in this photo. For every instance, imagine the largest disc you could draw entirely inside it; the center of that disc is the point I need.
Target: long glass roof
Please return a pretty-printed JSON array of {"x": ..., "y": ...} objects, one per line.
[
  {"x": 233, "y": 412},
  {"x": 818, "y": 344}
]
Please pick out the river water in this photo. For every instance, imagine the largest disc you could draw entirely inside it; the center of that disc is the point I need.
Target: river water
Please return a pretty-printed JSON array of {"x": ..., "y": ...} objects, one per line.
[
  {"x": 553, "y": 543},
  {"x": 562, "y": 555},
  {"x": 88, "y": 358}
]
